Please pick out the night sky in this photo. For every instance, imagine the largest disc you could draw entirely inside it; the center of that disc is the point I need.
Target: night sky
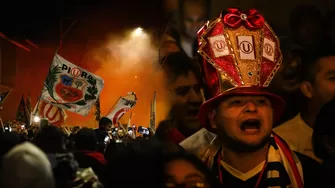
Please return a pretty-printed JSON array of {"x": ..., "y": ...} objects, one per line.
[{"x": 39, "y": 21}]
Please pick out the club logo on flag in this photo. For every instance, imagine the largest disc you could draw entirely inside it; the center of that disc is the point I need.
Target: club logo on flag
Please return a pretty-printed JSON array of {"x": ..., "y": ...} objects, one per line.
[
  {"x": 122, "y": 106},
  {"x": 56, "y": 116}
]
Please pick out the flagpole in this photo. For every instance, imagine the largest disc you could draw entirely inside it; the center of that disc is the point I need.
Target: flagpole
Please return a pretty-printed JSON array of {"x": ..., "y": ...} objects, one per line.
[{"x": 3, "y": 128}]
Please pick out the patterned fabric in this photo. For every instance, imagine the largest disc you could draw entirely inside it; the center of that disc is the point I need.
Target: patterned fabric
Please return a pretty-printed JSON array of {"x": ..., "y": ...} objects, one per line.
[{"x": 282, "y": 167}]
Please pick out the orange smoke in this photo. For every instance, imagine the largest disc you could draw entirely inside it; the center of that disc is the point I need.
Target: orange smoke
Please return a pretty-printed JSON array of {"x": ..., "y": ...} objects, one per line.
[{"x": 128, "y": 63}]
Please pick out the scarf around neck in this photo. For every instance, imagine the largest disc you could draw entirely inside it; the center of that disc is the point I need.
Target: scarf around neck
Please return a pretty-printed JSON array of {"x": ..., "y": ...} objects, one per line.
[{"x": 278, "y": 152}]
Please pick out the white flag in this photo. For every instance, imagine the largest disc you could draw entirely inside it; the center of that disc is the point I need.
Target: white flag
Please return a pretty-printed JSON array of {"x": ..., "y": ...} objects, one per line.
[
  {"x": 71, "y": 87},
  {"x": 123, "y": 105}
]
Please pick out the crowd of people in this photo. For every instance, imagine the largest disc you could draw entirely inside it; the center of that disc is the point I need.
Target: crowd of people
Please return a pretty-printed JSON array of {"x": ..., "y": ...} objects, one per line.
[{"x": 237, "y": 119}]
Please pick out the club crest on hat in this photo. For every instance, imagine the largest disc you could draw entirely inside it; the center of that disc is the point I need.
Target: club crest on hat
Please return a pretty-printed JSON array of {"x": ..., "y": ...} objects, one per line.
[{"x": 239, "y": 50}]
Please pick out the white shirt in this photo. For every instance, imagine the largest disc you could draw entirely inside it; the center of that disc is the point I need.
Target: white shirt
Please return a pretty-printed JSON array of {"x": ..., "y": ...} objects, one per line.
[{"x": 298, "y": 135}]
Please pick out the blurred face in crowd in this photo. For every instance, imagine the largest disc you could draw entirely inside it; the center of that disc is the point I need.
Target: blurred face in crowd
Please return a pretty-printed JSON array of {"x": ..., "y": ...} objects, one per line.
[
  {"x": 194, "y": 17},
  {"x": 288, "y": 77},
  {"x": 244, "y": 123},
  {"x": 323, "y": 88},
  {"x": 187, "y": 97},
  {"x": 120, "y": 133},
  {"x": 181, "y": 172},
  {"x": 309, "y": 31},
  {"x": 107, "y": 127}
]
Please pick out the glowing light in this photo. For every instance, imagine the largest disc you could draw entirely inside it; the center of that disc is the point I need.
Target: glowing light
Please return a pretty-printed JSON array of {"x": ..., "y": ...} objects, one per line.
[
  {"x": 138, "y": 32},
  {"x": 135, "y": 77},
  {"x": 37, "y": 119}
]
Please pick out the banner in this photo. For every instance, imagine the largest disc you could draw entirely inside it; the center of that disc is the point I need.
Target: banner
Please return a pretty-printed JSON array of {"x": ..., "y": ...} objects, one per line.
[
  {"x": 21, "y": 113},
  {"x": 4, "y": 95},
  {"x": 70, "y": 87},
  {"x": 55, "y": 115},
  {"x": 123, "y": 105}
]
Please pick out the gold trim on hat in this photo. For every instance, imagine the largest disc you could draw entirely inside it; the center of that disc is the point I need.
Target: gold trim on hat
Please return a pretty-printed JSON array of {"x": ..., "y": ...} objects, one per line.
[{"x": 203, "y": 42}]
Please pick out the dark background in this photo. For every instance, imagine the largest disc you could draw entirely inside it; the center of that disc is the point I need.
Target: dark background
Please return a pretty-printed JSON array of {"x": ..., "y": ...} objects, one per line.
[{"x": 39, "y": 21}]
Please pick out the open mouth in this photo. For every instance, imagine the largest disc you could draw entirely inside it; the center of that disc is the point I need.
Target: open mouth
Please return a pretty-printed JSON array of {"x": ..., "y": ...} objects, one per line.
[
  {"x": 192, "y": 112},
  {"x": 251, "y": 125}
]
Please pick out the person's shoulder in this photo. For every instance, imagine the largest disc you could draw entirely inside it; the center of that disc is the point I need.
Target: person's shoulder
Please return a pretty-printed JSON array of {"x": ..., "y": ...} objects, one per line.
[
  {"x": 311, "y": 170},
  {"x": 287, "y": 125},
  {"x": 307, "y": 161}
]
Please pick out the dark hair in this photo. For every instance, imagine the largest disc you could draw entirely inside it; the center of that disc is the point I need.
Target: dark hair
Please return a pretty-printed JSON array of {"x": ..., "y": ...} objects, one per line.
[
  {"x": 85, "y": 139},
  {"x": 310, "y": 62},
  {"x": 174, "y": 33},
  {"x": 179, "y": 64},
  {"x": 8, "y": 141},
  {"x": 143, "y": 157},
  {"x": 163, "y": 129},
  {"x": 198, "y": 164},
  {"x": 104, "y": 121},
  {"x": 51, "y": 139},
  {"x": 323, "y": 126},
  {"x": 302, "y": 12},
  {"x": 330, "y": 15}
]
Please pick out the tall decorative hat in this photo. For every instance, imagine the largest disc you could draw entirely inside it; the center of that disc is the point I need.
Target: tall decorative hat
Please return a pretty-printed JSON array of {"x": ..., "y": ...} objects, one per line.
[{"x": 241, "y": 55}]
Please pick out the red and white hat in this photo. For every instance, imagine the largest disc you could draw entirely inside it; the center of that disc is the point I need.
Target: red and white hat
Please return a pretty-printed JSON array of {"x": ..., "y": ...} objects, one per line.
[{"x": 241, "y": 55}]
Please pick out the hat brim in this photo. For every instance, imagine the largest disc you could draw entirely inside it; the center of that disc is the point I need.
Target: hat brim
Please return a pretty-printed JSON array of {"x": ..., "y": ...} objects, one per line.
[{"x": 278, "y": 104}]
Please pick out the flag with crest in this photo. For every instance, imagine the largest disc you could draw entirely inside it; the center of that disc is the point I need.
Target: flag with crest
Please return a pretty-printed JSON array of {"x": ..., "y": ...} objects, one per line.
[
  {"x": 21, "y": 112},
  {"x": 71, "y": 87}
]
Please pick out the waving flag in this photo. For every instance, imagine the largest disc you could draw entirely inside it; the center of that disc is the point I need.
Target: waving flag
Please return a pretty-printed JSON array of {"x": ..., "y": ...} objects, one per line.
[
  {"x": 70, "y": 87},
  {"x": 3, "y": 96},
  {"x": 55, "y": 115},
  {"x": 28, "y": 109},
  {"x": 21, "y": 113},
  {"x": 123, "y": 105}
]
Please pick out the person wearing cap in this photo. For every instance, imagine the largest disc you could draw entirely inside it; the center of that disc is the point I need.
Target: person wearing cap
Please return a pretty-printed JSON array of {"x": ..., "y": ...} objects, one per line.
[{"x": 241, "y": 55}]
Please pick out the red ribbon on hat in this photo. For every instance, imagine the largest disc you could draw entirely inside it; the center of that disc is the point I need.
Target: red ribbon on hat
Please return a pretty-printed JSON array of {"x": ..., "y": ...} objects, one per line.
[{"x": 252, "y": 19}]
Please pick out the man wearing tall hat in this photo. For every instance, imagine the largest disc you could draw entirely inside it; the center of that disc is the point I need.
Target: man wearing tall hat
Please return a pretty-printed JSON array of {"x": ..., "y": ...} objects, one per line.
[{"x": 241, "y": 55}]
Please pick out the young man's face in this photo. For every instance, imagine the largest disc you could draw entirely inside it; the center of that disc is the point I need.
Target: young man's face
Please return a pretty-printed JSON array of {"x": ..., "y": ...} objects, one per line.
[
  {"x": 187, "y": 97},
  {"x": 323, "y": 88},
  {"x": 243, "y": 122}
]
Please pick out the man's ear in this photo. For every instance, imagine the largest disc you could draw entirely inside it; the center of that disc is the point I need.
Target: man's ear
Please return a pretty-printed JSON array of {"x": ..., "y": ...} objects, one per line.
[
  {"x": 306, "y": 89},
  {"x": 211, "y": 117}
]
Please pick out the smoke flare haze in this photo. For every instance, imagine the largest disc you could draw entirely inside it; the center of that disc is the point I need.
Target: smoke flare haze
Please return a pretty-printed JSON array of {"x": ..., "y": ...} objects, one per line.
[{"x": 127, "y": 63}]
